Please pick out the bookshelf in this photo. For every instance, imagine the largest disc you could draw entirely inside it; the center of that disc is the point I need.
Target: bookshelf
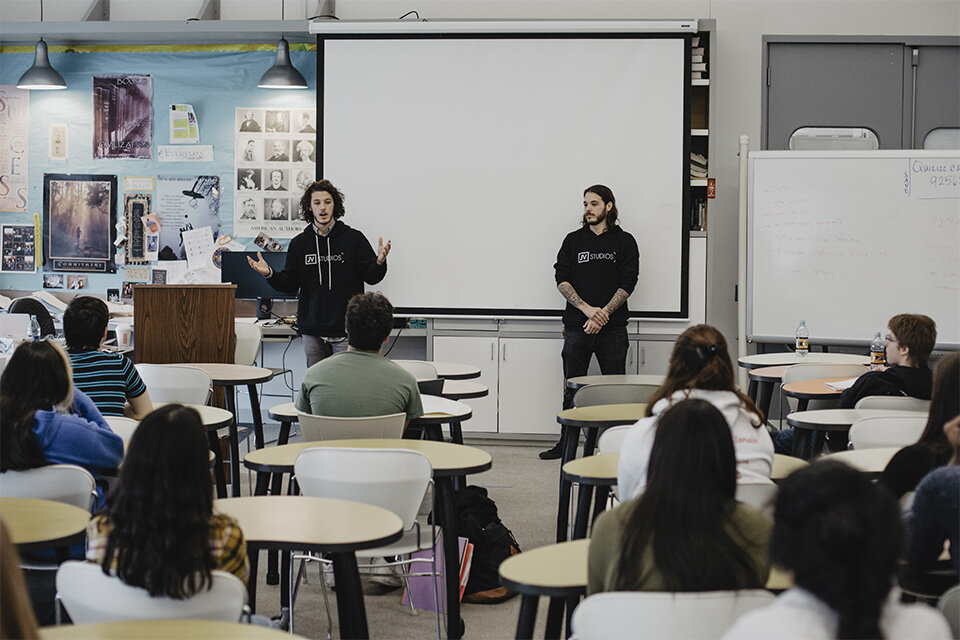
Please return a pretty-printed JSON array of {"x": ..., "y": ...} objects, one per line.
[{"x": 702, "y": 59}]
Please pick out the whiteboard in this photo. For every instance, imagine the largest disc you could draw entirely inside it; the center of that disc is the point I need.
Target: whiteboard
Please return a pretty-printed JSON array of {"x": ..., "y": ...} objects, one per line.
[
  {"x": 471, "y": 155},
  {"x": 846, "y": 240}
]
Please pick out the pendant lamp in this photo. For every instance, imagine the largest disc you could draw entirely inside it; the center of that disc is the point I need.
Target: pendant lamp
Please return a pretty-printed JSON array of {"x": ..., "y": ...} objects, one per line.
[
  {"x": 282, "y": 75},
  {"x": 41, "y": 75}
]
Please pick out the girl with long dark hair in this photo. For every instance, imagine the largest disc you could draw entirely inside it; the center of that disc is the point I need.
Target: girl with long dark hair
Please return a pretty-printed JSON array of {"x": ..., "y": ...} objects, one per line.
[
  {"x": 840, "y": 536},
  {"x": 47, "y": 421},
  {"x": 159, "y": 531},
  {"x": 686, "y": 532},
  {"x": 932, "y": 450},
  {"x": 699, "y": 368}
]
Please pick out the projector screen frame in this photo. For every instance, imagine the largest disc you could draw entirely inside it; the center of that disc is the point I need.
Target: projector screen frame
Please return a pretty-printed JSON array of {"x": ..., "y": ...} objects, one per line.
[{"x": 551, "y": 30}]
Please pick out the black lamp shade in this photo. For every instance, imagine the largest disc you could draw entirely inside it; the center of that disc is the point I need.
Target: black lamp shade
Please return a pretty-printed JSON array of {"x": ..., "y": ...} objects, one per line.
[
  {"x": 41, "y": 75},
  {"x": 282, "y": 75}
]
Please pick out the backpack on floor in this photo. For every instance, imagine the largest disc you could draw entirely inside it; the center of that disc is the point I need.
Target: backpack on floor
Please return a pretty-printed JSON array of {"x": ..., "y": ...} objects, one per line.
[{"x": 493, "y": 543}]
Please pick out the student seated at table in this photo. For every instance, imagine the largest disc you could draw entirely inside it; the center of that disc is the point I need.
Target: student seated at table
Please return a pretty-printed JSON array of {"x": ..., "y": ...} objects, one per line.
[
  {"x": 359, "y": 381},
  {"x": 840, "y": 536},
  {"x": 934, "y": 516},
  {"x": 699, "y": 368},
  {"x": 686, "y": 531},
  {"x": 159, "y": 531},
  {"x": 47, "y": 421},
  {"x": 109, "y": 379},
  {"x": 932, "y": 450},
  {"x": 909, "y": 341}
]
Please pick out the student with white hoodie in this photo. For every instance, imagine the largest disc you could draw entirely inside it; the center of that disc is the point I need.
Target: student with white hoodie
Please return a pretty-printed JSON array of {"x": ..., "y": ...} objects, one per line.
[{"x": 700, "y": 368}]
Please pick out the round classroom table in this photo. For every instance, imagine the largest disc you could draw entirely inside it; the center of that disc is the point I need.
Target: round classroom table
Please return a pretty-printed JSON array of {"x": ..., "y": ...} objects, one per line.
[
  {"x": 36, "y": 525},
  {"x": 784, "y": 466},
  {"x": 321, "y": 525},
  {"x": 595, "y": 474},
  {"x": 448, "y": 460},
  {"x": 790, "y": 357},
  {"x": 809, "y": 423},
  {"x": 592, "y": 419},
  {"x": 870, "y": 461},
  {"x": 463, "y": 389},
  {"x": 163, "y": 630},
  {"x": 451, "y": 370},
  {"x": 558, "y": 571},
  {"x": 629, "y": 378},
  {"x": 229, "y": 376}
]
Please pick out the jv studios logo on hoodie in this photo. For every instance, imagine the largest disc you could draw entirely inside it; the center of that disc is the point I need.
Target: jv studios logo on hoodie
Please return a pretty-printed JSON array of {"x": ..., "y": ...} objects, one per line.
[{"x": 586, "y": 256}]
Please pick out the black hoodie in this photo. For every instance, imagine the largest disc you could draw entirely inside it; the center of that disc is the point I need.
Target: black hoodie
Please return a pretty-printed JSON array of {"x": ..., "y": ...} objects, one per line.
[
  {"x": 347, "y": 261},
  {"x": 916, "y": 382}
]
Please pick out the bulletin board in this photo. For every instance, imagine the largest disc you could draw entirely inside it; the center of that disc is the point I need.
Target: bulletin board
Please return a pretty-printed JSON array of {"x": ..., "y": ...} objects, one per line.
[{"x": 57, "y": 133}]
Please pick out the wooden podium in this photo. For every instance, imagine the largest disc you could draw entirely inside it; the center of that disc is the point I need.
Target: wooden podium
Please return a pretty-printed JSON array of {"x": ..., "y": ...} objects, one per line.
[{"x": 176, "y": 323}]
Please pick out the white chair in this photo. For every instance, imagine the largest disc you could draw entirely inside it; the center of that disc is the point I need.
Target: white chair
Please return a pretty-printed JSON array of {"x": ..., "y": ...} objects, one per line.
[
  {"x": 607, "y": 393},
  {"x": 123, "y": 427},
  {"x": 249, "y": 337},
  {"x": 894, "y": 403},
  {"x": 611, "y": 440},
  {"x": 175, "y": 383},
  {"x": 949, "y": 606},
  {"x": 758, "y": 495},
  {"x": 58, "y": 482},
  {"x": 812, "y": 371},
  {"x": 394, "y": 479},
  {"x": 89, "y": 596},
  {"x": 636, "y": 615},
  {"x": 329, "y": 428},
  {"x": 887, "y": 431}
]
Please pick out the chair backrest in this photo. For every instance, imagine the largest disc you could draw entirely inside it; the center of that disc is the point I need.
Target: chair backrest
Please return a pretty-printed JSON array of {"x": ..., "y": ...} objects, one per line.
[
  {"x": 395, "y": 479},
  {"x": 58, "y": 482},
  {"x": 89, "y": 595},
  {"x": 758, "y": 495},
  {"x": 814, "y": 371},
  {"x": 329, "y": 428},
  {"x": 784, "y": 465},
  {"x": 894, "y": 403},
  {"x": 123, "y": 427},
  {"x": 175, "y": 383},
  {"x": 887, "y": 431},
  {"x": 617, "y": 615},
  {"x": 949, "y": 605},
  {"x": 605, "y": 393},
  {"x": 34, "y": 307},
  {"x": 249, "y": 336},
  {"x": 419, "y": 369},
  {"x": 611, "y": 440}
]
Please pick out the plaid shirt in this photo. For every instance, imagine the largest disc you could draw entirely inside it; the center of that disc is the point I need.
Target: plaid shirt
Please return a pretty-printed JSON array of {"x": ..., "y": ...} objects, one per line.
[{"x": 226, "y": 544}]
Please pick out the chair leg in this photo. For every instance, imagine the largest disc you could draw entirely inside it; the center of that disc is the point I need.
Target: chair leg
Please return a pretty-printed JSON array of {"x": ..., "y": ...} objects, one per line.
[{"x": 406, "y": 586}]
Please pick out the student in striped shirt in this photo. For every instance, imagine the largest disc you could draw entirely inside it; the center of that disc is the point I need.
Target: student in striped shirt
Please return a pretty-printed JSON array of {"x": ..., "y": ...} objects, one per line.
[{"x": 109, "y": 379}]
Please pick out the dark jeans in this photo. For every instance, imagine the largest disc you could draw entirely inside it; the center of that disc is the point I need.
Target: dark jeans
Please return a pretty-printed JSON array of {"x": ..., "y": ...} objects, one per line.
[{"x": 610, "y": 347}]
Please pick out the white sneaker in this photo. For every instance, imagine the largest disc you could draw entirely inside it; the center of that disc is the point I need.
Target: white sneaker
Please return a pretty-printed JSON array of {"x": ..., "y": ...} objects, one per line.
[{"x": 384, "y": 574}]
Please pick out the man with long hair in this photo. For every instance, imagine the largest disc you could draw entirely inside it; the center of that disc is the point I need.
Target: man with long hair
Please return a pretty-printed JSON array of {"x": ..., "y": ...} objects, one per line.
[{"x": 596, "y": 270}]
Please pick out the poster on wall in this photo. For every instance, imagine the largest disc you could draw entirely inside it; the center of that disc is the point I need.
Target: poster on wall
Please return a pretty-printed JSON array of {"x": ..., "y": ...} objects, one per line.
[
  {"x": 275, "y": 160},
  {"x": 185, "y": 203},
  {"x": 14, "y": 143},
  {"x": 79, "y": 221},
  {"x": 18, "y": 248},
  {"x": 135, "y": 206},
  {"x": 123, "y": 116}
]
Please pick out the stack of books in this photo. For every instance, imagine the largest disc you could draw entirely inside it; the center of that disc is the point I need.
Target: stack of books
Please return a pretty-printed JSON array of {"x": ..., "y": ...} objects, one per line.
[
  {"x": 698, "y": 65},
  {"x": 698, "y": 165}
]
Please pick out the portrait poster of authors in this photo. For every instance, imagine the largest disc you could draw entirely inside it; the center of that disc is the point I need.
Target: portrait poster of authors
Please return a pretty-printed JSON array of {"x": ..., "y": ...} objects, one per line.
[
  {"x": 275, "y": 160},
  {"x": 18, "y": 248},
  {"x": 79, "y": 221},
  {"x": 14, "y": 143},
  {"x": 184, "y": 203},
  {"x": 123, "y": 116}
]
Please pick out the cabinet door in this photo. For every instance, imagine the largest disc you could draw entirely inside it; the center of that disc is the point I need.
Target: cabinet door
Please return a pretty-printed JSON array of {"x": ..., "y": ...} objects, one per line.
[
  {"x": 531, "y": 385},
  {"x": 653, "y": 356},
  {"x": 480, "y": 352}
]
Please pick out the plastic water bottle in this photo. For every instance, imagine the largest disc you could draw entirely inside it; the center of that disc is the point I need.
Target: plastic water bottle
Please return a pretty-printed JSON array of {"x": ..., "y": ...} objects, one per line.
[
  {"x": 34, "y": 329},
  {"x": 878, "y": 352},
  {"x": 803, "y": 339}
]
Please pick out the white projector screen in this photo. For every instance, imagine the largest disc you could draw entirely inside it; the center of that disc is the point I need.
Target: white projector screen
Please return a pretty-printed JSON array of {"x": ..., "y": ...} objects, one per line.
[{"x": 471, "y": 155}]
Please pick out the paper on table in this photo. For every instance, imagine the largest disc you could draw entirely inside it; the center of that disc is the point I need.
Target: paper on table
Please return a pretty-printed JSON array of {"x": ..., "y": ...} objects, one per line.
[
  {"x": 841, "y": 385},
  {"x": 198, "y": 244},
  {"x": 50, "y": 299}
]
